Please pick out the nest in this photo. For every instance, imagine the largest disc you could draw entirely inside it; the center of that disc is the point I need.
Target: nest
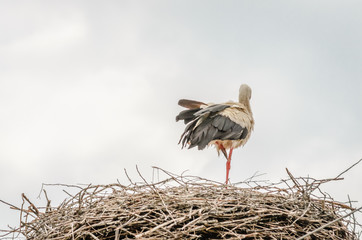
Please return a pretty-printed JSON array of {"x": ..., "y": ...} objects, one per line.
[{"x": 188, "y": 207}]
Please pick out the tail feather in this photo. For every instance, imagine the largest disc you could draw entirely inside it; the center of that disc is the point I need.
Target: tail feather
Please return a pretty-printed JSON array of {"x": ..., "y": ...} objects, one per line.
[{"x": 190, "y": 104}]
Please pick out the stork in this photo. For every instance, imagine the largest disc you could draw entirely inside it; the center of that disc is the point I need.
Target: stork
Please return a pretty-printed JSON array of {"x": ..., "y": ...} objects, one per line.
[{"x": 226, "y": 125}]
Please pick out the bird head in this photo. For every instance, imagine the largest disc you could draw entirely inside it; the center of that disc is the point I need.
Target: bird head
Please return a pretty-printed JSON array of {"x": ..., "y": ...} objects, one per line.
[{"x": 244, "y": 93}]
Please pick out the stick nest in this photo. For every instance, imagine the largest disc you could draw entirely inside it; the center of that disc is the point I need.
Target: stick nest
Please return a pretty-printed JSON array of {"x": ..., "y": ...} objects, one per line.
[{"x": 188, "y": 207}]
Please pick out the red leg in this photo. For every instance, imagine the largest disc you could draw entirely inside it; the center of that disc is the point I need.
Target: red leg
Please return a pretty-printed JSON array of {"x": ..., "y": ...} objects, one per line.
[
  {"x": 221, "y": 147},
  {"x": 228, "y": 165}
]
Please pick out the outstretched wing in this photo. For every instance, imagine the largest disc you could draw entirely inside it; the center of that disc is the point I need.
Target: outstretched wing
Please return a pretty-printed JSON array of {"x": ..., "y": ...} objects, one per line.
[{"x": 208, "y": 124}]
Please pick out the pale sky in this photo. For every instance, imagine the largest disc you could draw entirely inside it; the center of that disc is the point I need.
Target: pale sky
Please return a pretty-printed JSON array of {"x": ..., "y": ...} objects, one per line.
[{"x": 88, "y": 88}]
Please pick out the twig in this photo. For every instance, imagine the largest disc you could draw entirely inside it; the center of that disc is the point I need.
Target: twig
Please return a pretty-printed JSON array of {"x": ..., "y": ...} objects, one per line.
[
  {"x": 328, "y": 224},
  {"x": 48, "y": 207},
  {"x": 155, "y": 191},
  {"x": 295, "y": 182},
  {"x": 349, "y": 168},
  {"x": 157, "y": 227},
  {"x": 72, "y": 228},
  {"x": 32, "y": 206},
  {"x": 353, "y": 216},
  {"x": 9, "y": 204},
  {"x": 116, "y": 237},
  {"x": 129, "y": 179}
]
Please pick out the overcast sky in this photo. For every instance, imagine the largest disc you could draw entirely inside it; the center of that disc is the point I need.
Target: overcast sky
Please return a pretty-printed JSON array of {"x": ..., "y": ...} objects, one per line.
[{"x": 88, "y": 88}]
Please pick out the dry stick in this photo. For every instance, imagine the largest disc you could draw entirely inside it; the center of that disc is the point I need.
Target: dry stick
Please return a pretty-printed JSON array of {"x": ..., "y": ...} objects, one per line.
[
  {"x": 305, "y": 211},
  {"x": 159, "y": 226},
  {"x": 20, "y": 216},
  {"x": 334, "y": 203},
  {"x": 75, "y": 232},
  {"x": 92, "y": 235},
  {"x": 116, "y": 237},
  {"x": 348, "y": 168},
  {"x": 181, "y": 182},
  {"x": 35, "y": 210},
  {"x": 295, "y": 181},
  {"x": 327, "y": 224},
  {"x": 152, "y": 188},
  {"x": 80, "y": 198},
  {"x": 62, "y": 184},
  {"x": 26, "y": 218},
  {"x": 153, "y": 175},
  {"x": 353, "y": 216},
  {"x": 320, "y": 182},
  {"x": 193, "y": 221},
  {"x": 48, "y": 207},
  {"x": 129, "y": 179},
  {"x": 41, "y": 189},
  {"x": 70, "y": 195},
  {"x": 251, "y": 179},
  {"x": 72, "y": 229},
  {"x": 169, "y": 174}
]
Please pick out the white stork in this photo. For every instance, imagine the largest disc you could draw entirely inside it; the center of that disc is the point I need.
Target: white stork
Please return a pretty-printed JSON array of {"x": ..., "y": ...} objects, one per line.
[{"x": 225, "y": 125}]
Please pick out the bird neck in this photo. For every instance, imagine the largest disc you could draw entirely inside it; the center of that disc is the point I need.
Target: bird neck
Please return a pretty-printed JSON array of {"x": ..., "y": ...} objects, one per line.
[{"x": 246, "y": 103}]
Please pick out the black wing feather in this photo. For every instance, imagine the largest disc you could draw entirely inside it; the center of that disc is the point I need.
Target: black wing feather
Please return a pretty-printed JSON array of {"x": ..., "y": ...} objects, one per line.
[
  {"x": 211, "y": 109},
  {"x": 211, "y": 126},
  {"x": 187, "y": 115}
]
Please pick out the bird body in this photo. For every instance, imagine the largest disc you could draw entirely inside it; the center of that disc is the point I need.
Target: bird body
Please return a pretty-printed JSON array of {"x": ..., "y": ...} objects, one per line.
[
  {"x": 226, "y": 126},
  {"x": 239, "y": 114}
]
